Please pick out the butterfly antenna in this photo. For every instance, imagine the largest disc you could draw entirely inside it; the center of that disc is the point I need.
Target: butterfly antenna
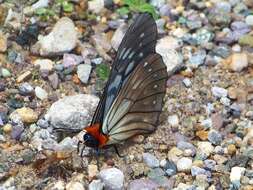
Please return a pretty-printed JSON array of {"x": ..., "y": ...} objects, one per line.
[{"x": 117, "y": 152}]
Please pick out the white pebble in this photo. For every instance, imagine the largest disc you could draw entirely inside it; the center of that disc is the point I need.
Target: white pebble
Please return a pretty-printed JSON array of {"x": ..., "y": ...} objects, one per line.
[
  {"x": 219, "y": 92},
  {"x": 40, "y": 93},
  {"x": 249, "y": 20},
  {"x": 173, "y": 120},
  {"x": 236, "y": 173},
  {"x": 184, "y": 164}
]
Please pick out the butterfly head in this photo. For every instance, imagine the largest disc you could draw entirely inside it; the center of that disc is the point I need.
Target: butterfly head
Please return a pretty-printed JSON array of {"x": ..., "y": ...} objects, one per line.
[{"x": 90, "y": 141}]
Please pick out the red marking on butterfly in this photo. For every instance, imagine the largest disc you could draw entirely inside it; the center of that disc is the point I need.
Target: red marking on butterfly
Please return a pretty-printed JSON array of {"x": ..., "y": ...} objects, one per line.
[{"x": 133, "y": 96}]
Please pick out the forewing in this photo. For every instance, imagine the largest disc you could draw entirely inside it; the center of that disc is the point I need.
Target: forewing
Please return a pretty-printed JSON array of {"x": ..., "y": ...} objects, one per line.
[
  {"x": 137, "y": 108},
  {"x": 138, "y": 42}
]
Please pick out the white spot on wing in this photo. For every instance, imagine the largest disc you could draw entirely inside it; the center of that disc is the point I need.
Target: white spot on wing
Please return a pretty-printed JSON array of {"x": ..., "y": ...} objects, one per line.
[
  {"x": 142, "y": 35},
  {"x": 145, "y": 64},
  {"x": 141, "y": 54},
  {"x": 122, "y": 52},
  {"x": 131, "y": 55},
  {"x": 129, "y": 67},
  {"x": 126, "y": 54},
  {"x": 150, "y": 69}
]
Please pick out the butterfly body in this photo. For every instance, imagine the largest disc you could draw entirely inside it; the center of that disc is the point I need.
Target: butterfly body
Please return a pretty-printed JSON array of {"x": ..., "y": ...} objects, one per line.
[{"x": 133, "y": 96}]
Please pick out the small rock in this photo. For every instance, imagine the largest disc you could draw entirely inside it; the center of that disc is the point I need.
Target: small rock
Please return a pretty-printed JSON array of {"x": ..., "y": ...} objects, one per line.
[
  {"x": 184, "y": 164},
  {"x": 249, "y": 20},
  {"x": 54, "y": 80},
  {"x": 141, "y": 184},
  {"x": 236, "y": 174},
  {"x": 3, "y": 42},
  {"x": 27, "y": 115},
  {"x": 44, "y": 64},
  {"x": 83, "y": 72},
  {"x": 174, "y": 154},
  {"x": 96, "y": 185},
  {"x": 63, "y": 38},
  {"x": 73, "y": 185},
  {"x": 173, "y": 120},
  {"x": 150, "y": 160},
  {"x": 231, "y": 149},
  {"x": 170, "y": 168},
  {"x": 196, "y": 59},
  {"x": 113, "y": 178},
  {"x": 214, "y": 137},
  {"x": 92, "y": 171},
  {"x": 40, "y": 93},
  {"x": 40, "y": 4},
  {"x": 187, "y": 82},
  {"x": 7, "y": 128},
  {"x": 26, "y": 89},
  {"x": 206, "y": 148},
  {"x": 72, "y": 112},
  {"x": 96, "y": 5},
  {"x": 219, "y": 92},
  {"x": 5, "y": 73},
  {"x": 43, "y": 123},
  {"x": 23, "y": 77},
  {"x": 239, "y": 62},
  {"x": 197, "y": 171},
  {"x": 166, "y": 47},
  {"x": 202, "y": 134},
  {"x": 118, "y": 36},
  {"x": 70, "y": 60},
  {"x": 209, "y": 164}
]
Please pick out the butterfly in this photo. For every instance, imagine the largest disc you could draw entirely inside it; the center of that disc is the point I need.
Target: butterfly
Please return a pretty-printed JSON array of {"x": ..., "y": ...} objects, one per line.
[{"x": 132, "y": 99}]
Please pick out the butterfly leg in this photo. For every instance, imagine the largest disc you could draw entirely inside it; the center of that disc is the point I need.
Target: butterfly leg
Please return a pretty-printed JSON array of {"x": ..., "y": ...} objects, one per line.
[
  {"x": 117, "y": 152},
  {"x": 97, "y": 157}
]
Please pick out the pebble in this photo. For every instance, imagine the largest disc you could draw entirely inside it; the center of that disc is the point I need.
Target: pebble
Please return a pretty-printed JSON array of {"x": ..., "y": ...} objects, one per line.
[
  {"x": 40, "y": 93},
  {"x": 27, "y": 115},
  {"x": 3, "y": 42},
  {"x": 167, "y": 48},
  {"x": 249, "y": 20},
  {"x": 5, "y": 73},
  {"x": 214, "y": 137},
  {"x": 92, "y": 171},
  {"x": 236, "y": 173},
  {"x": 44, "y": 64},
  {"x": 197, "y": 171},
  {"x": 40, "y": 4},
  {"x": 219, "y": 92},
  {"x": 23, "y": 77},
  {"x": 70, "y": 60},
  {"x": 239, "y": 61},
  {"x": 141, "y": 184},
  {"x": 72, "y": 112},
  {"x": 73, "y": 185},
  {"x": 173, "y": 120},
  {"x": 150, "y": 160},
  {"x": 118, "y": 36},
  {"x": 174, "y": 154},
  {"x": 25, "y": 89},
  {"x": 205, "y": 148},
  {"x": 7, "y": 128},
  {"x": 196, "y": 59},
  {"x": 113, "y": 178},
  {"x": 231, "y": 149},
  {"x": 187, "y": 82},
  {"x": 209, "y": 164},
  {"x": 83, "y": 72},
  {"x": 54, "y": 80},
  {"x": 96, "y": 5},
  {"x": 96, "y": 185},
  {"x": 184, "y": 164},
  {"x": 170, "y": 168},
  {"x": 43, "y": 123},
  {"x": 63, "y": 38},
  {"x": 182, "y": 145}
]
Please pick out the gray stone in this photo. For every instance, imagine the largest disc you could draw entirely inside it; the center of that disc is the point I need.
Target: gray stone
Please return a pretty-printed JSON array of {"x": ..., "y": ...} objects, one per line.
[
  {"x": 83, "y": 72},
  {"x": 26, "y": 89},
  {"x": 150, "y": 160},
  {"x": 113, "y": 178},
  {"x": 142, "y": 184},
  {"x": 219, "y": 92},
  {"x": 214, "y": 137},
  {"x": 197, "y": 171},
  {"x": 72, "y": 112},
  {"x": 63, "y": 38},
  {"x": 40, "y": 93},
  {"x": 184, "y": 164},
  {"x": 70, "y": 60},
  {"x": 96, "y": 185}
]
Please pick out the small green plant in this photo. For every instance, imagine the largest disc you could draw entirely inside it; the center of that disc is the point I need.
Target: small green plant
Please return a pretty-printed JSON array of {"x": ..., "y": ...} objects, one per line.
[
  {"x": 103, "y": 71},
  {"x": 66, "y": 5},
  {"x": 137, "y": 6},
  {"x": 44, "y": 13}
]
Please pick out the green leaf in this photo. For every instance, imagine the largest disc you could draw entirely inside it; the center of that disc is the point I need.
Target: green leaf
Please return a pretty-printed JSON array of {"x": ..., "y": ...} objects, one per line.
[
  {"x": 67, "y": 7},
  {"x": 41, "y": 11},
  {"x": 123, "y": 11},
  {"x": 141, "y": 6},
  {"x": 103, "y": 71}
]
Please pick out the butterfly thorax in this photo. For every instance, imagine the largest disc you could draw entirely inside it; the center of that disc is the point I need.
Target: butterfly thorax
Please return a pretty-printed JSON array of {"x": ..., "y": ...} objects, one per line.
[{"x": 97, "y": 138}]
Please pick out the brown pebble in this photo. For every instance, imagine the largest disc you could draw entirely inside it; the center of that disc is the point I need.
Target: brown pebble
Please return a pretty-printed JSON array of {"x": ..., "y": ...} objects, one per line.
[{"x": 203, "y": 135}]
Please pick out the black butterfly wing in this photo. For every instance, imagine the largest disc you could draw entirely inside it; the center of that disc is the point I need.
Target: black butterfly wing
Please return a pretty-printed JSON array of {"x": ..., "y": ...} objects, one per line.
[
  {"x": 138, "y": 42},
  {"x": 138, "y": 105}
]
